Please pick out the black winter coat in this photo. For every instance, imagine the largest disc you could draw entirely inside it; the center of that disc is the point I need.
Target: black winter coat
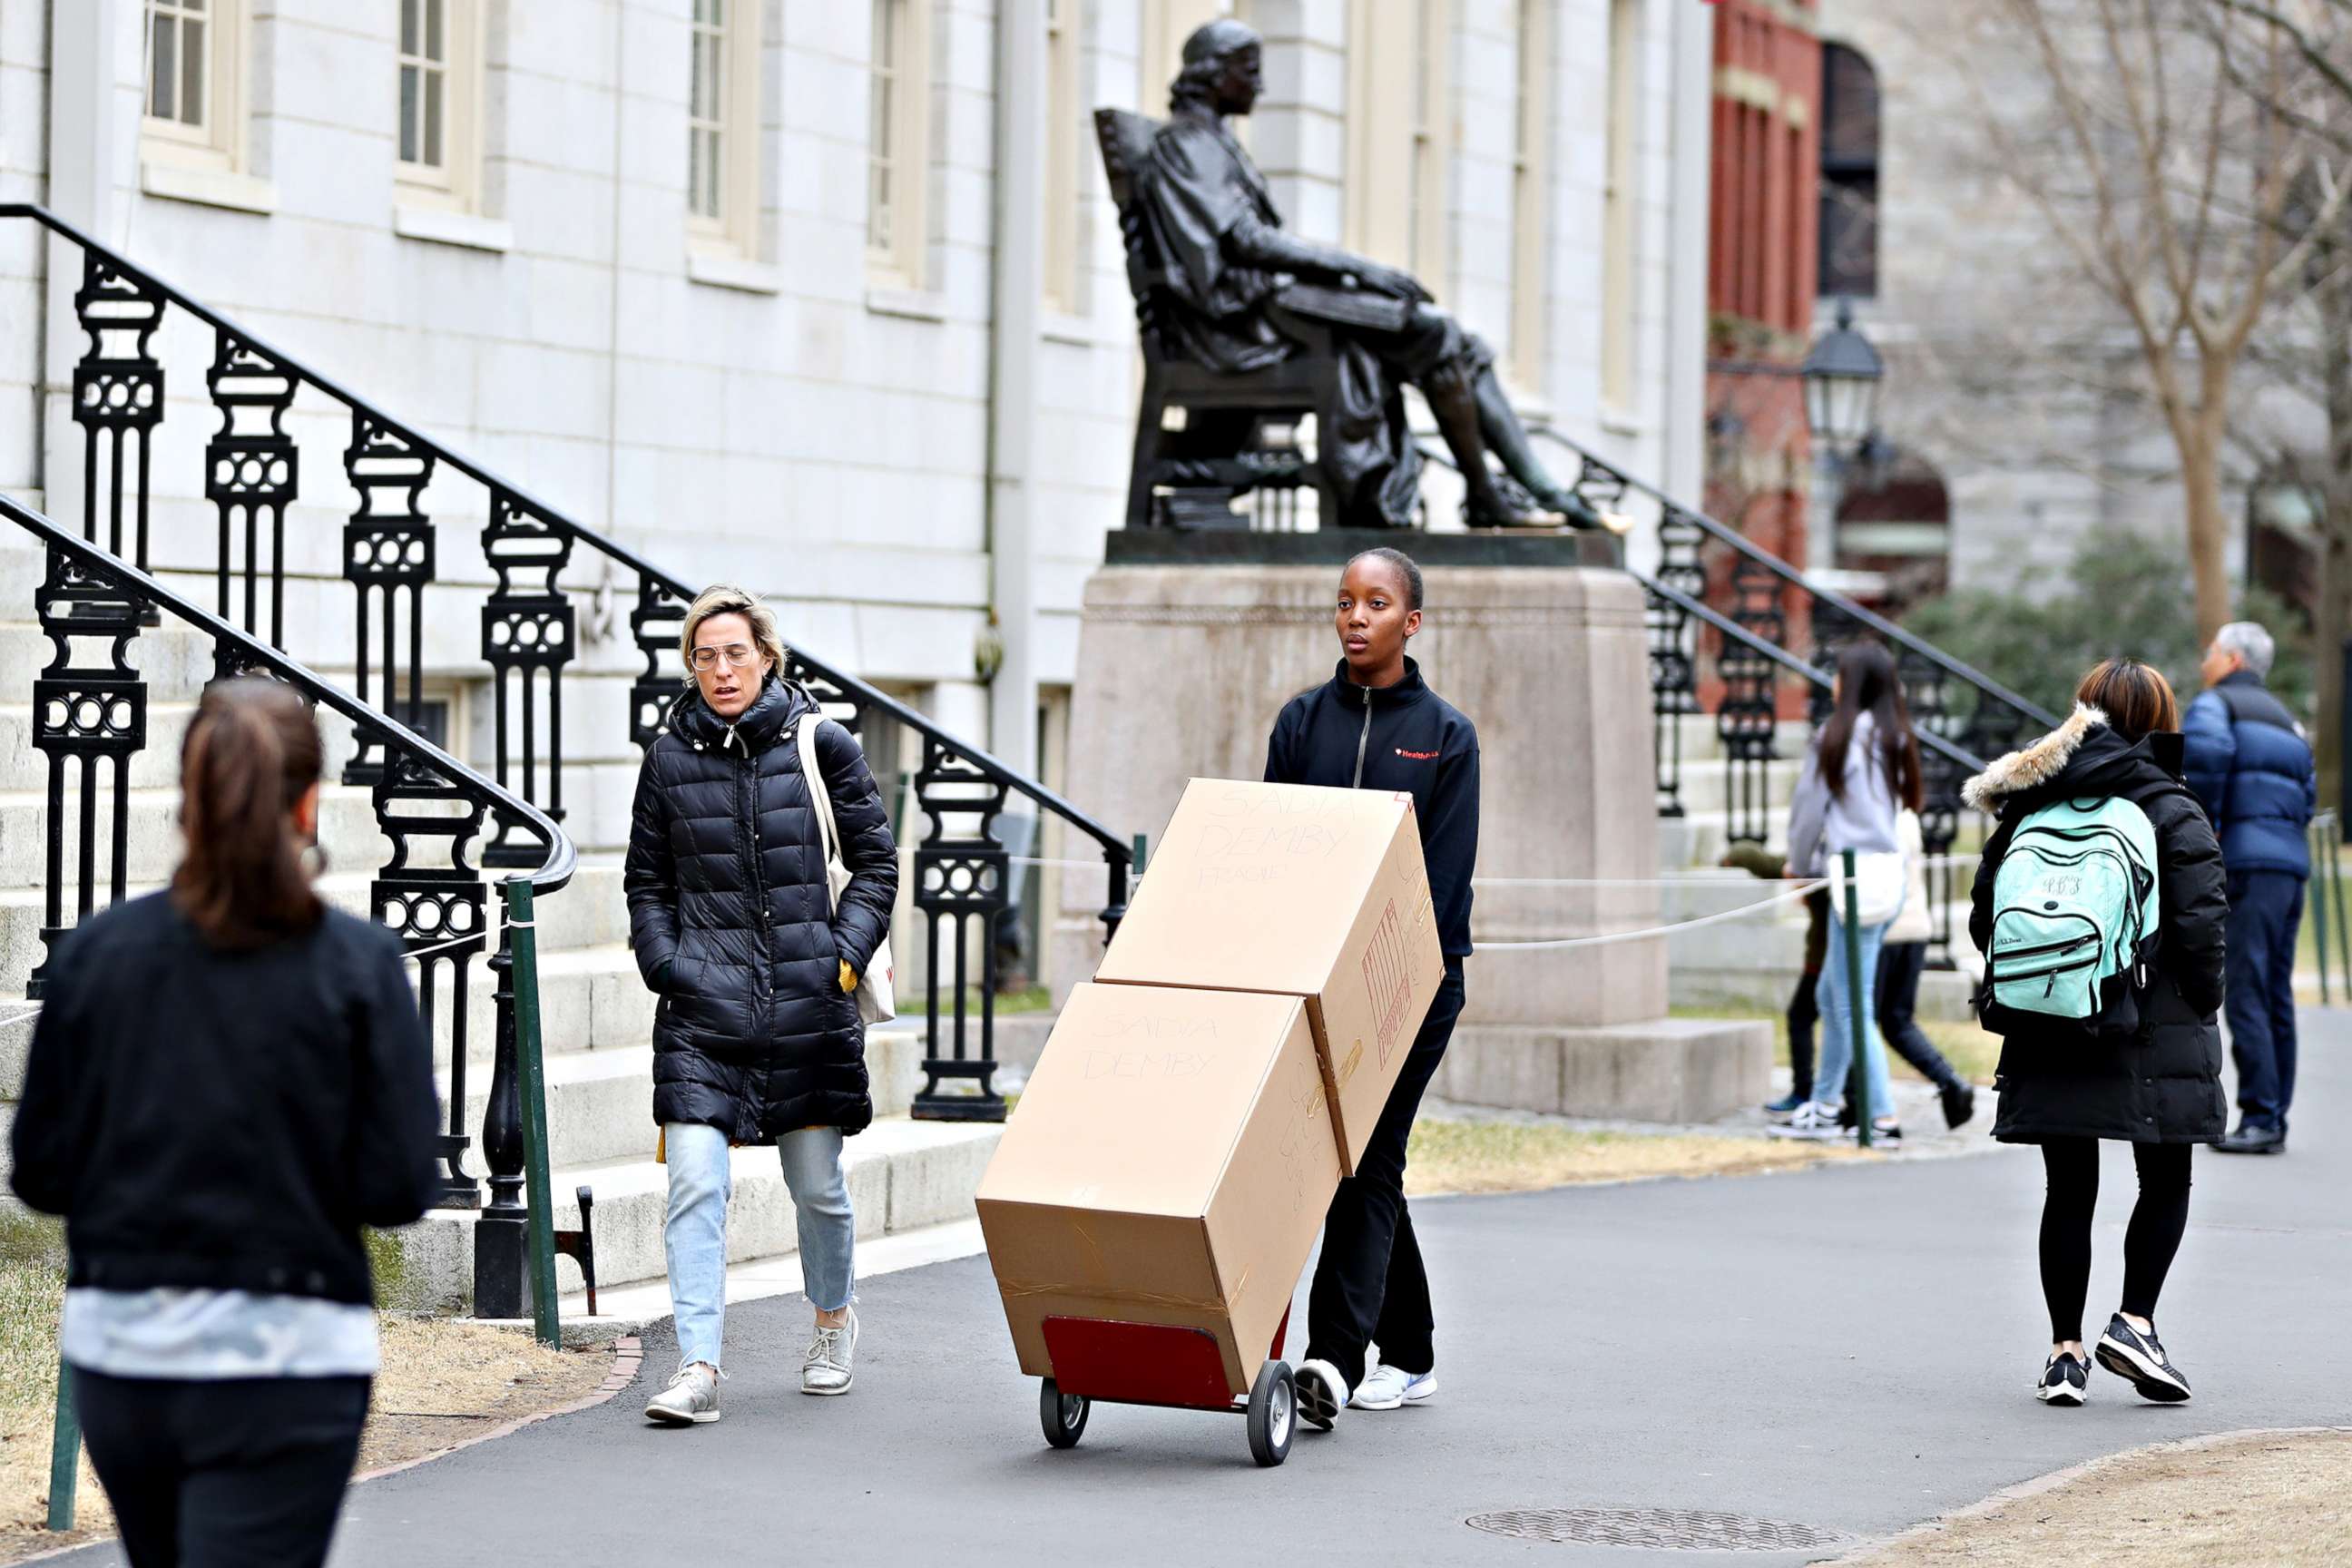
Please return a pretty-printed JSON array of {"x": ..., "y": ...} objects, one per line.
[
  {"x": 207, "y": 1119},
  {"x": 2164, "y": 1086},
  {"x": 725, "y": 885}
]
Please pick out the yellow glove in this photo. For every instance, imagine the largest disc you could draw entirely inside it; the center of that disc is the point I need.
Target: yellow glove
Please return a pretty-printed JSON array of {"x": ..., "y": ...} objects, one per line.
[{"x": 848, "y": 976}]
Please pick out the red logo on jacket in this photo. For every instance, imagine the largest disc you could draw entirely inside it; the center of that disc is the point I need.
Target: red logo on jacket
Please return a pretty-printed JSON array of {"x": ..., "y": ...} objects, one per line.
[{"x": 1417, "y": 756}]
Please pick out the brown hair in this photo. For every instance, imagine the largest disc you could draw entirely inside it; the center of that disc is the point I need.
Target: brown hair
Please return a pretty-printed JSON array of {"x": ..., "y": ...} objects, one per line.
[
  {"x": 1868, "y": 682},
  {"x": 251, "y": 755},
  {"x": 2137, "y": 698}
]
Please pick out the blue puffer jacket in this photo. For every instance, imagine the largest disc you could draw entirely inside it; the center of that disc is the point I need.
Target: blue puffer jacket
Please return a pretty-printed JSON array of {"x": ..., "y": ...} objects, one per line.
[{"x": 2249, "y": 763}]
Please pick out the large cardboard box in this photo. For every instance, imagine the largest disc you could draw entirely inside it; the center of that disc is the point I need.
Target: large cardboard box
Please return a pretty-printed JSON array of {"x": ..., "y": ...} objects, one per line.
[
  {"x": 1169, "y": 1163},
  {"x": 1303, "y": 891}
]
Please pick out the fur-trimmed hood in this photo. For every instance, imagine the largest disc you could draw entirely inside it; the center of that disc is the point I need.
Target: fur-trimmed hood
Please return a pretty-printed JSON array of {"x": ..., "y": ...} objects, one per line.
[{"x": 2030, "y": 767}]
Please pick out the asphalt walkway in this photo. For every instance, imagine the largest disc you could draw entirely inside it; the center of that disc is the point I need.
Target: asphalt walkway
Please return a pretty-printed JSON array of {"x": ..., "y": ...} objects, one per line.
[{"x": 1849, "y": 1348}]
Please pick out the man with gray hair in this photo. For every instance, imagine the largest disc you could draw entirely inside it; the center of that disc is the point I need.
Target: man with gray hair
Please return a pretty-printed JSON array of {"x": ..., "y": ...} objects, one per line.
[{"x": 2249, "y": 761}]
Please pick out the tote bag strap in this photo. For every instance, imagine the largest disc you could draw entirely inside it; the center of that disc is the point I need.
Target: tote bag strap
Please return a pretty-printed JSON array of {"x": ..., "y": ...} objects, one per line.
[{"x": 828, "y": 836}]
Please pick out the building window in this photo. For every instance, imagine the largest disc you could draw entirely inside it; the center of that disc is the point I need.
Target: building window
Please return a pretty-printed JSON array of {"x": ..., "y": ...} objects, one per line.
[
  {"x": 440, "y": 101},
  {"x": 1620, "y": 205},
  {"x": 1532, "y": 195},
  {"x": 1166, "y": 25},
  {"x": 1065, "y": 123},
  {"x": 1849, "y": 220},
  {"x": 897, "y": 163},
  {"x": 722, "y": 125},
  {"x": 195, "y": 80},
  {"x": 1398, "y": 59}
]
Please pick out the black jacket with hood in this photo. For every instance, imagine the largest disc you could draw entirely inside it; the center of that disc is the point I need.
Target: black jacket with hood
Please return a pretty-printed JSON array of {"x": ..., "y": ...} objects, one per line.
[
  {"x": 1402, "y": 736},
  {"x": 728, "y": 915},
  {"x": 2059, "y": 1081}
]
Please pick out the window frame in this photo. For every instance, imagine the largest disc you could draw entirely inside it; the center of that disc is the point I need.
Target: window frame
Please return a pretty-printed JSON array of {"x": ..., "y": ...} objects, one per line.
[
  {"x": 898, "y": 260},
  {"x": 733, "y": 231},
  {"x": 1621, "y": 203},
  {"x": 1400, "y": 51},
  {"x": 1065, "y": 30},
  {"x": 1841, "y": 172},
  {"x": 456, "y": 183},
  {"x": 1531, "y": 198},
  {"x": 219, "y": 143}
]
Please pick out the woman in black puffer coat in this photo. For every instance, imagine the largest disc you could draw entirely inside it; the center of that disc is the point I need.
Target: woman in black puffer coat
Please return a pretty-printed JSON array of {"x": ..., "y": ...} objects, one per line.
[
  {"x": 757, "y": 1038},
  {"x": 2065, "y": 1088}
]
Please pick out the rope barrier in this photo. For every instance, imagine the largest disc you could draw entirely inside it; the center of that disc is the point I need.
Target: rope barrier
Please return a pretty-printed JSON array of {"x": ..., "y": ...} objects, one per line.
[{"x": 1742, "y": 912}]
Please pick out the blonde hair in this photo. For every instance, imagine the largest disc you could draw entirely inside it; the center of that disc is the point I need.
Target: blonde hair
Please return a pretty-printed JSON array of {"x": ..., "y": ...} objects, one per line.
[{"x": 725, "y": 599}]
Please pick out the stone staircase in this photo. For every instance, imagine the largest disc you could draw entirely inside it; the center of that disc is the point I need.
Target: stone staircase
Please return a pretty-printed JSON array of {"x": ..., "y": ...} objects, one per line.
[{"x": 597, "y": 1015}]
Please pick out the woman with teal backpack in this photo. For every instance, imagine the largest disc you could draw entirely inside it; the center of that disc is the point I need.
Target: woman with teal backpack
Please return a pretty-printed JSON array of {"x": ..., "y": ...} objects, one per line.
[{"x": 2123, "y": 1047}]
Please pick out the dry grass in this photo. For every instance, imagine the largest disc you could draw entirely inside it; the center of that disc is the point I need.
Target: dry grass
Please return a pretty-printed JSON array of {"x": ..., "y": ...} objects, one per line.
[
  {"x": 1517, "y": 1157},
  {"x": 1968, "y": 1048},
  {"x": 443, "y": 1382},
  {"x": 2266, "y": 1499}
]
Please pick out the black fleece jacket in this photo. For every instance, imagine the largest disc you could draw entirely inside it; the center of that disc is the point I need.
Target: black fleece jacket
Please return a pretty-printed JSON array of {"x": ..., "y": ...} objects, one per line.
[
  {"x": 226, "y": 1121},
  {"x": 1400, "y": 737}
]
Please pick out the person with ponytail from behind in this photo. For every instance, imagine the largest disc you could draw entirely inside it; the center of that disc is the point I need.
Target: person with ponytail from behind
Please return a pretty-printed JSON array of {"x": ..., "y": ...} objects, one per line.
[{"x": 228, "y": 1081}]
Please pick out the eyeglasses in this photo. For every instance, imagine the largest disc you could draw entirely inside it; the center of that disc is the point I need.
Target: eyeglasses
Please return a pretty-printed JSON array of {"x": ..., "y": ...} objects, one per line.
[{"x": 739, "y": 656}]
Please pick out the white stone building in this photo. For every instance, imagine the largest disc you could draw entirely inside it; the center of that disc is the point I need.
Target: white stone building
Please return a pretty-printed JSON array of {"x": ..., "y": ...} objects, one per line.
[{"x": 824, "y": 295}]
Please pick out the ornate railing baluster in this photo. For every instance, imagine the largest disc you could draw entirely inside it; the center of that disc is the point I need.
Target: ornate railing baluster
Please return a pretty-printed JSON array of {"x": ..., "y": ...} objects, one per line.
[
  {"x": 118, "y": 399},
  {"x": 388, "y": 552},
  {"x": 657, "y": 624},
  {"x": 251, "y": 470},
  {"x": 961, "y": 890},
  {"x": 438, "y": 910},
  {"x": 1748, "y": 720},
  {"x": 529, "y": 631},
  {"x": 1674, "y": 652},
  {"x": 85, "y": 712}
]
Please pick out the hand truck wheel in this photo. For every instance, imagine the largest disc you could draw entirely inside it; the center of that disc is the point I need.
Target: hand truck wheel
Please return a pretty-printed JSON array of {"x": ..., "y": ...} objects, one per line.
[
  {"x": 1273, "y": 1413},
  {"x": 1063, "y": 1415}
]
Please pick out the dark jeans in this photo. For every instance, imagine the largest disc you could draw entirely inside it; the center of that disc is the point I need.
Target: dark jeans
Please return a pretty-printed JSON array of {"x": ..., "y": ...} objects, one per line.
[
  {"x": 1370, "y": 1283},
  {"x": 2266, "y": 912},
  {"x": 1900, "y": 965},
  {"x": 1804, "y": 1015},
  {"x": 2072, "y": 1166},
  {"x": 237, "y": 1473}
]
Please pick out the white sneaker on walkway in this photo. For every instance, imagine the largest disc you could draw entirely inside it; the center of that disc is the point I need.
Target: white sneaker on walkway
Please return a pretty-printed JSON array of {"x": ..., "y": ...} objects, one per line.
[
  {"x": 1322, "y": 1392},
  {"x": 1812, "y": 1121},
  {"x": 691, "y": 1398},
  {"x": 1388, "y": 1387},
  {"x": 826, "y": 1369}
]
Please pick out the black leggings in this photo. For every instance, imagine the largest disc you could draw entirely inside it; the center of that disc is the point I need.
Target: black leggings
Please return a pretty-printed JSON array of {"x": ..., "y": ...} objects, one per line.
[{"x": 2149, "y": 1242}]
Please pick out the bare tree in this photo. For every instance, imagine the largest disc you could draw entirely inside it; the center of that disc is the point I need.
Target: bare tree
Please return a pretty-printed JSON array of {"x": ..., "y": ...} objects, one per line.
[{"x": 2162, "y": 143}]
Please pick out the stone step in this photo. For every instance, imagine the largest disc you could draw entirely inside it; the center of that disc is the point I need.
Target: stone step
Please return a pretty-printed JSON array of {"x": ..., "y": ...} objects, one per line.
[
  {"x": 1702, "y": 743},
  {"x": 1707, "y": 785},
  {"x": 903, "y": 1175},
  {"x": 175, "y": 663},
  {"x": 347, "y": 831},
  {"x": 1697, "y": 840}
]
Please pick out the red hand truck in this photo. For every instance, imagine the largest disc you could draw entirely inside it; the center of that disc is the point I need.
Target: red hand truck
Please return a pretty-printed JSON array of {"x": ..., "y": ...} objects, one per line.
[{"x": 1156, "y": 1363}]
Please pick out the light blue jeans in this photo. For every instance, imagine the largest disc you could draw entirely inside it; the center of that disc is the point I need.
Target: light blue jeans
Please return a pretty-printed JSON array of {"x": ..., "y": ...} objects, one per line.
[
  {"x": 1836, "y": 1007},
  {"x": 694, "y": 1236}
]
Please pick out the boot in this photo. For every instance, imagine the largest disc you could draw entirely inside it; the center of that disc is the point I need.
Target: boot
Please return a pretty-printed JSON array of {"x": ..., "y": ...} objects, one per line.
[
  {"x": 1455, "y": 409},
  {"x": 1499, "y": 423}
]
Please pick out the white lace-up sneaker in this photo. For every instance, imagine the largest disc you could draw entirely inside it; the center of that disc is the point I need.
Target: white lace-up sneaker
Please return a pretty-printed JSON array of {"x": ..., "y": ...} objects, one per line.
[
  {"x": 826, "y": 1369},
  {"x": 1388, "y": 1387},
  {"x": 691, "y": 1398}
]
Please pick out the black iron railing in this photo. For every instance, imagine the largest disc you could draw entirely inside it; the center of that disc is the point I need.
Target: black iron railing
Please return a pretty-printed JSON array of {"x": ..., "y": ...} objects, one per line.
[
  {"x": 90, "y": 707},
  {"x": 530, "y": 624}
]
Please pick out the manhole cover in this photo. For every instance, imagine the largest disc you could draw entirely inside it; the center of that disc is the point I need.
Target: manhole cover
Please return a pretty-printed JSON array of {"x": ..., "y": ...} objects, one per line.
[{"x": 1667, "y": 1529}]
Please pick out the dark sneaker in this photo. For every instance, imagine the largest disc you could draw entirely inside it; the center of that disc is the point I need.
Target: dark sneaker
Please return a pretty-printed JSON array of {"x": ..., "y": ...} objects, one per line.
[
  {"x": 1960, "y": 1103},
  {"x": 2251, "y": 1140},
  {"x": 1785, "y": 1104},
  {"x": 2139, "y": 1359},
  {"x": 2065, "y": 1380}
]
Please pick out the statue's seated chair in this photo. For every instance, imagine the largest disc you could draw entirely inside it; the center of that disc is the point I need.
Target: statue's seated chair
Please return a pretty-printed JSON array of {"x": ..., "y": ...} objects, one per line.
[{"x": 1189, "y": 477}]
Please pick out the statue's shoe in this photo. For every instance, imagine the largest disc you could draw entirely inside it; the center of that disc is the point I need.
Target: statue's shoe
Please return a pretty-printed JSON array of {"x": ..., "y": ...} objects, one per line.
[{"x": 1581, "y": 513}]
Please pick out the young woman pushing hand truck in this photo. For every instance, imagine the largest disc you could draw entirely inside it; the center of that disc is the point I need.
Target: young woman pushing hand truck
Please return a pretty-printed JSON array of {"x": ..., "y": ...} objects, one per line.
[{"x": 1375, "y": 724}]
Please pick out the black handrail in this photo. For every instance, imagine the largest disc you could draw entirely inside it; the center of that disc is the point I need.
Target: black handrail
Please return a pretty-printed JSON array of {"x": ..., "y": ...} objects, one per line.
[
  {"x": 1895, "y": 636},
  {"x": 1115, "y": 848}
]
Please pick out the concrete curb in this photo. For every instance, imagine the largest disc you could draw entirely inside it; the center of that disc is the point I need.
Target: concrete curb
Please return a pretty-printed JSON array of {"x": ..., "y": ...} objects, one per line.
[
  {"x": 2071, "y": 1473},
  {"x": 629, "y": 1360}
]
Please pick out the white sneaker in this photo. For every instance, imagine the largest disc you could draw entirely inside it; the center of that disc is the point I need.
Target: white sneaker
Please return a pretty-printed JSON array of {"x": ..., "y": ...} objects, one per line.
[
  {"x": 1322, "y": 1392},
  {"x": 690, "y": 1399},
  {"x": 1388, "y": 1387},
  {"x": 1813, "y": 1121},
  {"x": 826, "y": 1369}
]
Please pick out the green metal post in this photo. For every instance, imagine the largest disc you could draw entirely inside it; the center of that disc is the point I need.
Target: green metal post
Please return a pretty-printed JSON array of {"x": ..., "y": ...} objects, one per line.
[
  {"x": 1857, "y": 997},
  {"x": 65, "y": 1453},
  {"x": 2320, "y": 866},
  {"x": 2335, "y": 887},
  {"x": 540, "y": 1236},
  {"x": 1142, "y": 842}
]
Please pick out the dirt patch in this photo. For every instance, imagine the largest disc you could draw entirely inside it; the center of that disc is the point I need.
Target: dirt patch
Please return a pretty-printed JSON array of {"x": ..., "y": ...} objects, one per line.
[
  {"x": 444, "y": 1383},
  {"x": 1517, "y": 1157},
  {"x": 2257, "y": 1497}
]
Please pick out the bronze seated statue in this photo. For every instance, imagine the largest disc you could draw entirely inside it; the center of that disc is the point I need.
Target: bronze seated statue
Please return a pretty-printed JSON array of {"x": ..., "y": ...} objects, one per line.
[{"x": 1256, "y": 320}]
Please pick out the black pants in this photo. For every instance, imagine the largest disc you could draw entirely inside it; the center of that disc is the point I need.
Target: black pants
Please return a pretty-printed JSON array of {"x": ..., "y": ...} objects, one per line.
[
  {"x": 2149, "y": 1241},
  {"x": 1370, "y": 1283},
  {"x": 2258, "y": 998},
  {"x": 238, "y": 1473},
  {"x": 1900, "y": 965},
  {"x": 1804, "y": 1016}
]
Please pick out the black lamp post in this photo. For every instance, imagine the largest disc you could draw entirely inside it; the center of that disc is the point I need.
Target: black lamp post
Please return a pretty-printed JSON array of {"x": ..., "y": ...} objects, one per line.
[{"x": 1842, "y": 373}]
